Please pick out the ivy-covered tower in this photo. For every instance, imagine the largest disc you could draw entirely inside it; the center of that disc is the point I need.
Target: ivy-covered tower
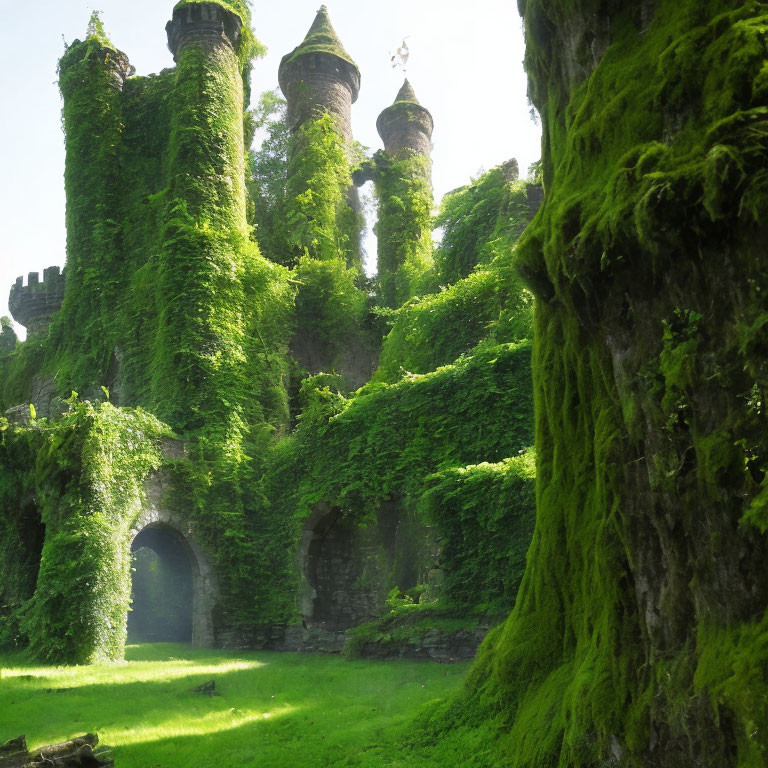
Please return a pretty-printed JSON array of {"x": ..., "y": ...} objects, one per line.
[
  {"x": 92, "y": 75},
  {"x": 204, "y": 250},
  {"x": 320, "y": 82},
  {"x": 406, "y": 126},
  {"x": 319, "y": 77},
  {"x": 403, "y": 179}
]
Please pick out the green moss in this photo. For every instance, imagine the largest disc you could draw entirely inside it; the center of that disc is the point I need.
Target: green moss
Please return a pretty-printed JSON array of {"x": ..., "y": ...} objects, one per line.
[
  {"x": 321, "y": 38},
  {"x": 637, "y": 637}
]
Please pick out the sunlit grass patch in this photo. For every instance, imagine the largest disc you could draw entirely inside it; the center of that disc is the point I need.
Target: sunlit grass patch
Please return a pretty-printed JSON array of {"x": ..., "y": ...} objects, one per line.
[{"x": 271, "y": 710}]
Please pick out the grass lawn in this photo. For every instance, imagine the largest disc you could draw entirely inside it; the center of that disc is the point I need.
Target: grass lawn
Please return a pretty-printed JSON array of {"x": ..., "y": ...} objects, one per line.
[{"x": 273, "y": 710}]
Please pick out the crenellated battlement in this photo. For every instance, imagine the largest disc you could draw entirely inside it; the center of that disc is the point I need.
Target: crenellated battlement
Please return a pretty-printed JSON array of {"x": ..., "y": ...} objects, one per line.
[
  {"x": 33, "y": 305},
  {"x": 202, "y": 23},
  {"x": 115, "y": 62}
]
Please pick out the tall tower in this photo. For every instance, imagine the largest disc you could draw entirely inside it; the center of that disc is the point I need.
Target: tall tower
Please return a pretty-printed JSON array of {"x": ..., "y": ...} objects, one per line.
[
  {"x": 320, "y": 83},
  {"x": 92, "y": 73},
  {"x": 406, "y": 125},
  {"x": 319, "y": 76},
  {"x": 208, "y": 161},
  {"x": 403, "y": 178},
  {"x": 203, "y": 258}
]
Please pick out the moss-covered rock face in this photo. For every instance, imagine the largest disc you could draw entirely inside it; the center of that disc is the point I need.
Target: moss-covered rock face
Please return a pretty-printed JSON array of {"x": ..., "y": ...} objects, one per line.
[{"x": 638, "y": 635}]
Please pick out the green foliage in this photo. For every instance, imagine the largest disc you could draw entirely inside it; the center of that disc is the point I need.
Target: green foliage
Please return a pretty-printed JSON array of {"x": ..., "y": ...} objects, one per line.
[
  {"x": 484, "y": 516},
  {"x": 8, "y": 338},
  {"x": 404, "y": 192},
  {"x": 387, "y": 440},
  {"x": 391, "y": 437},
  {"x": 268, "y": 177},
  {"x": 21, "y": 529},
  {"x": 322, "y": 232},
  {"x": 329, "y": 305},
  {"x": 490, "y": 306},
  {"x": 89, "y": 473},
  {"x": 96, "y": 31},
  {"x": 319, "y": 220},
  {"x": 479, "y": 222},
  {"x": 19, "y": 369}
]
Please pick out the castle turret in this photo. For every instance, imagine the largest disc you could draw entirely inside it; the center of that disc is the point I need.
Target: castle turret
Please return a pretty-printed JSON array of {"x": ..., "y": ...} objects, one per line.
[
  {"x": 319, "y": 76},
  {"x": 33, "y": 305},
  {"x": 92, "y": 73},
  {"x": 205, "y": 24},
  {"x": 321, "y": 82},
  {"x": 207, "y": 171},
  {"x": 403, "y": 177},
  {"x": 203, "y": 258},
  {"x": 406, "y": 125}
]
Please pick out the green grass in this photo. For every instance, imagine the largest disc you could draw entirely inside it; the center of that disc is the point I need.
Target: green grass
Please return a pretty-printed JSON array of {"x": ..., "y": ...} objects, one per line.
[{"x": 274, "y": 710}]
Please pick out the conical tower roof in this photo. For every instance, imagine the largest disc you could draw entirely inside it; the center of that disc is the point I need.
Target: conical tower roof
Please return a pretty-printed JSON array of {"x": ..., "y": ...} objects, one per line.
[
  {"x": 321, "y": 38},
  {"x": 406, "y": 93}
]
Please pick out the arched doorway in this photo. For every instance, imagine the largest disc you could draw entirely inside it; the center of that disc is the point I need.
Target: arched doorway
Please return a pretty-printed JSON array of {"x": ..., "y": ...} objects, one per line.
[
  {"x": 341, "y": 567},
  {"x": 161, "y": 587},
  {"x": 172, "y": 587}
]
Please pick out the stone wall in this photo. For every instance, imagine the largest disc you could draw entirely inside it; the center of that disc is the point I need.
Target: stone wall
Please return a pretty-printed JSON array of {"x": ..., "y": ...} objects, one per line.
[
  {"x": 406, "y": 126},
  {"x": 318, "y": 82},
  {"x": 202, "y": 23}
]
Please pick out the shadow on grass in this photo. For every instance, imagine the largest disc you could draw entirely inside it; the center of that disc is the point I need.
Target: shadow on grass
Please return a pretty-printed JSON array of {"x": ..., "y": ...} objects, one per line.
[{"x": 273, "y": 709}]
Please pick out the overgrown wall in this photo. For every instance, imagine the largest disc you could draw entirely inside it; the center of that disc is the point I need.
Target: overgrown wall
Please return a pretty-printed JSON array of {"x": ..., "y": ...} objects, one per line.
[{"x": 71, "y": 491}]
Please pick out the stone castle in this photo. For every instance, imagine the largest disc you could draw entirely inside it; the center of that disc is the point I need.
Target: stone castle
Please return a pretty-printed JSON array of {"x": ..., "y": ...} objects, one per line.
[
  {"x": 317, "y": 77},
  {"x": 181, "y": 317}
]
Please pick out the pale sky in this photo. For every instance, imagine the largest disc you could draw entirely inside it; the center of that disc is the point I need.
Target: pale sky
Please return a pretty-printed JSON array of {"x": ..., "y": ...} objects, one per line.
[{"x": 465, "y": 66}]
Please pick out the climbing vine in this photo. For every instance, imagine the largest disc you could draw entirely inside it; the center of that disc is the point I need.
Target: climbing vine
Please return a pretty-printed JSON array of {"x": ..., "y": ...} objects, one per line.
[{"x": 404, "y": 227}]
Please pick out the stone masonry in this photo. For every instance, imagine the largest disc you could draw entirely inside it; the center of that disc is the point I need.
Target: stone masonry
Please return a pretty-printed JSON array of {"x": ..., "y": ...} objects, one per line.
[{"x": 33, "y": 305}]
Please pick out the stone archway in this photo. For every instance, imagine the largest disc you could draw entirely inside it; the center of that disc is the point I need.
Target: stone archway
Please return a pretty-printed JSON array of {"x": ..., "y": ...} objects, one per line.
[
  {"x": 167, "y": 543},
  {"x": 341, "y": 571}
]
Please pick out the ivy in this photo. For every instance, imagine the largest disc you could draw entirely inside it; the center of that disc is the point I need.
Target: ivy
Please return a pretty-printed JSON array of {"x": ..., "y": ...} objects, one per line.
[{"x": 404, "y": 226}]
